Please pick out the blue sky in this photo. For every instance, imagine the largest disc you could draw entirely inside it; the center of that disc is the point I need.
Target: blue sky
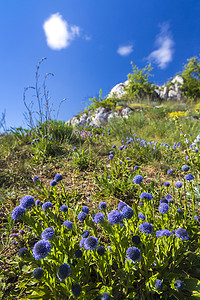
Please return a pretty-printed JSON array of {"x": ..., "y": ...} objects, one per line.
[{"x": 89, "y": 46}]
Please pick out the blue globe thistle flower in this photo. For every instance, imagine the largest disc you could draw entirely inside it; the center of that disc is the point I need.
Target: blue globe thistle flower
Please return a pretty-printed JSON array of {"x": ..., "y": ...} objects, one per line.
[
  {"x": 78, "y": 253},
  {"x": 197, "y": 218},
  {"x": 115, "y": 217},
  {"x": 163, "y": 208},
  {"x": 127, "y": 212},
  {"x": 101, "y": 250},
  {"x": 158, "y": 284},
  {"x": 146, "y": 228},
  {"x": 136, "y": 240},
  {"x": 35, "y": 178},
  {"x": 102, "y": 205},
  {"x": 137, "y": 179},
  {"x": 166, "y": 184},
  {"x": 121, "y": 148},
  {"x": 182, "y": 234},
  {"x": 105, "y": 296},
  {"x": 114, "y": 146},
  {"x": 58, "y": 177},
  {"x": 38, "y": 202},
  {"x": 26, "y": 201},
  {"x": 141, "y": 216},
  {"x": 133, "y": 253},
  {"x": 85, "y": 234},
  {"x": 178, "y": 184},
  {"x": 68, "y": 224},
  {"x": 185, "y": 168},
  {"x": 146, "y": 196},
  {"x": 64, "y": 208},
  {"x": 111, "y": 156},
  {"x": 41, "y": 249},
  {"x": 53, "y": 183},
  {"x": 47, "y": 234},
  {"x": 178, "y": 284},
  {"x": 85, "y": 209},
  {"x": 170, "y": 171},
  {"x": 164, "y": 201},
  {"x": 63, "y": 272},
  {"x": 121, "y": 205},
  {"x": 111, "y": 152},
  {"x": 98, "y": 218},
  {"x": 125, "y": 147},
  {"x": 46, "y": 205},
  {"x": 136, "y": 168},
  {"x": 22, "y": 251},
  {"x": 91, "y": 243},
  {"x": 38, "y": 273},
  {"x": 82, "y": 216},
  {"x": 189, "y": 177},
  {"x": 17, "y": 212},
  {"x": 163, "y": 232},
  {"x": 76, "y": 290}
]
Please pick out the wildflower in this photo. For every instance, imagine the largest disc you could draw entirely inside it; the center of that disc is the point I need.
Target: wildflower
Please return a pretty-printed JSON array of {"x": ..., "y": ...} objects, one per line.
[
  {"x": 111, "y": 156},
  {"x": 121, "y": 148},
  {"x": 101, "y": 250},
  {"x": 168, "y": 197},
  {"x": 141, "y": 216},
  {"x": 74, "y": 149},
  {"x": 76, "y": 290},
  {"x": 158, "y": 284},
  {"x": 38, "y": 273},
  {"x": 170, "y": 171},
  {"x": 146, "y": 196},
  {"x": 26, "y": 201},
  {"x": 47, "y": 234},
  {"x": 105, "y": 296},
  {"x": 81, "y": 243},
  {"x": 17, "y": 212},
  {"x": 41, "y": 249},
  {"x": 179, "y": 211},
  {"x": 53, "y": 183},
  {"x": 102, "y": 205},
  {"x": 38, "y": 202},
  {"x": 136, "y": 168},
  {"x": 78, "y": 253},
  {"x": 178, "y": 184},
  {"x": 121, "y": 205},
  {"x": 182, "y": 234},
  {"x": 166, "y": 184},
  {"x": 63, "y": 272},
  {"x": 136, "y": 240},
  {"x": 64, "y": 208},
  {"x": 58, "y": 177},
  {"x": 115, "y": 217},
  {"x": 46, "y": 205},
  {"x": 85, "y": 234},
  {"x": 137, "y": 179},
  {"x": 35, "y": 178},
  {"x": 110, "y": 249},
  {"x": 98, "y": 218},
  {"x": 146, "y": 228},
  {"x": 85, "y": 209},
  {"x": 178, "y": 284},
  {"x": 90, "y": 243},
  {"x": 197, "y": 218},
  {"x": 50, "y": 138},
  {"x": 22, "y": 251},
  {"x": 163, "y": 208},
  {"x": 68, "y": 224},
  {"x": 185, "y": 168},
  {"x": 164, "y": 201},
  {"x": 82, "y": 216},
  {"x": 189, "y": 177},
  {"x": 163, "y": 232},
  {"x": 127, "y": 212},
  {"x": 114, "y": 146},
  {"x": 133, "y": 253},
  {"x": 127, "y": 158}
]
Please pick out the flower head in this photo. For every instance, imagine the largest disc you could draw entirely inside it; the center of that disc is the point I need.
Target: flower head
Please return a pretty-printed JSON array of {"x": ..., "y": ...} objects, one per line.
[
  {"x": 115, "y": 217},
  {"x": 98, "y": 218},
  {"x": 82, "y": 216},
  {"x": 164, "y": 201},
  {"x": 68, "y": 224},
  {"x": 163, "y": 208},
  {"x": 47, "y": 234},
  {"x": 162, "y": 232},
  {"x": 38, "y": 202},
  {"x": 85, "y": 209},
  {"x": 178, "y": 184},
  {"x": 121, "y": 205},
  {"x": 91, "y": 243},
  {"x": 63, "y": 272},
  {"x": 133, "y": 253},
  {"x": 81, "y": 244},
  {"x": 46, "y": 205},
  {"x": 105, "y": 296},
  {"x": 141, "y": 216},
  {"x": 136, "y": 240},
  {"x": 64, "y": 208},
  {"x": 170, "y": 171},
  {"x": 146, "y": 196},
  {"x": 58, "y": 177},
  {"x": 189, "y": 177},
  {"x": 127, "y": 212},
  {"x": 197, "y": 218},
  {"x": 158, "y": 284},
  {"x": 185, "y": 168},
  {"x": 136, "y": 168},
  {"x": 85, "y": 234},
  {"x": 41, "y": 249},
  {"x": 76, "y": 290},
  {"x": 35, "y": 178},
  {"x": 17, "y": 212},
  {"x": 101, "y": 250},
  {"x": 78, "y": 253},
  {"x": 146, "y": 228},
  {"x": 102, "y": 205},
  {"x": 182, "y": 234},
  {"x": 27, "y": 201},
  {"x": 111, "y": 156},
  {"x": 166, "y": 184},
  {"x": 38, "y": 273},
  {"x": 22, "y": 251},
  {"x": 137, "y": 179},
  {"x": 178, "y": 284},
  {"x": 53, "y": 183}
]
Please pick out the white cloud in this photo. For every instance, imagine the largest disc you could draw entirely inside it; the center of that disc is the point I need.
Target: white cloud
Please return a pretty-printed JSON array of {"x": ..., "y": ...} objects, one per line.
[
  {"x": 163, "y": 55},
  {"x": 125, "y": 50},
  {"x": 59, "y": 33}
]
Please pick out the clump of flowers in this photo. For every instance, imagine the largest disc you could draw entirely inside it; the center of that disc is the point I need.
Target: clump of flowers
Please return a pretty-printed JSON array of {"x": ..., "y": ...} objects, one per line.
[
  {"x": 137, "y": 179},
  {"x": 17, "y": 212},
  {"x": 27, "y": 201},
  {"x": 115, "y": 217}
]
